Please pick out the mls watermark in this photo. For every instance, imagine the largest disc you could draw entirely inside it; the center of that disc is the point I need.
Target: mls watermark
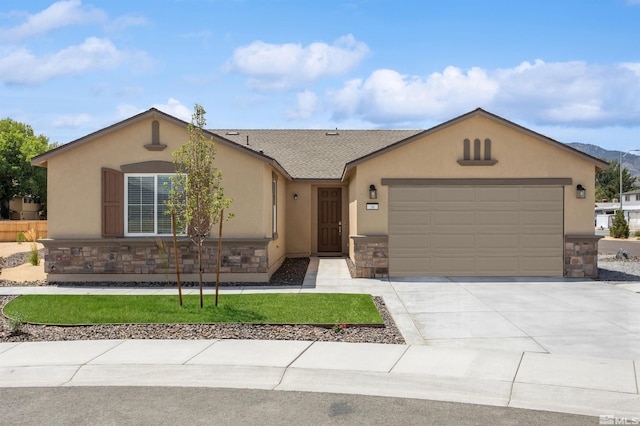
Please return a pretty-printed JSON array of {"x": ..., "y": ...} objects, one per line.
[{"x": 614, "y": 420}]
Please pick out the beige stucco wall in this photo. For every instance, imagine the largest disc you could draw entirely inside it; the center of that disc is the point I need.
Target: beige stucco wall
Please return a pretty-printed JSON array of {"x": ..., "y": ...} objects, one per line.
[
  {"x": 353, "y": 208},
  {"x": 298, "y": 225},
  {"x": 436, "y": 155},
  {"x": 74, "y": 180},
  {"x": 277, "y": 248}
]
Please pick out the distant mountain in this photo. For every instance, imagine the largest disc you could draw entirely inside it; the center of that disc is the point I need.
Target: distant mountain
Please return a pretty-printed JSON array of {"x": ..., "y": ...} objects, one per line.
[{"x": 630, "y": 160}]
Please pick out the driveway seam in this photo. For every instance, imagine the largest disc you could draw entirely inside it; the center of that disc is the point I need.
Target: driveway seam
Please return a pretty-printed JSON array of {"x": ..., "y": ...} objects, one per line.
[{"x": 513, "y": 381}]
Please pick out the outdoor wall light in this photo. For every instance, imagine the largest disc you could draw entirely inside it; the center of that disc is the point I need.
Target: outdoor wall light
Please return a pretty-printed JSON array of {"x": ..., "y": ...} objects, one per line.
[
  {"x": 295, "y": 195},
  {"x": 373, "y": 193},
  {"x": 580, "y": 191}
]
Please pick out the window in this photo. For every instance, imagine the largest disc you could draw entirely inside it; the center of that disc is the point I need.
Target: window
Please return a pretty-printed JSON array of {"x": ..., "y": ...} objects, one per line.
[
  {"x": 627, "y": 197},
  {"x": 637, "y": 197},
  {"x": 274, "y": 205},
  {"x": 145, "y": 196}
]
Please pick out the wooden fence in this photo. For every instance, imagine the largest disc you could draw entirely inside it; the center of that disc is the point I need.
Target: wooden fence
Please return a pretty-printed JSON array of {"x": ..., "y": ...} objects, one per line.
[{"x": 9, "y": 229}]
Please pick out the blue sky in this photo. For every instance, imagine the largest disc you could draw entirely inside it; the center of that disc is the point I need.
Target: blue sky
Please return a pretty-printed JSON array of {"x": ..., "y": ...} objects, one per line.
[{"x": 569, "y": 69}]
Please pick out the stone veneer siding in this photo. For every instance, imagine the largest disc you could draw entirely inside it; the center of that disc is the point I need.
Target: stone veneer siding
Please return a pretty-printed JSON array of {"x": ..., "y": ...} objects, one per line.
[
  {"x": 371, "y": 255},
  {"x": 150, "y": 256},
  {"x": 581, "y": 256}
]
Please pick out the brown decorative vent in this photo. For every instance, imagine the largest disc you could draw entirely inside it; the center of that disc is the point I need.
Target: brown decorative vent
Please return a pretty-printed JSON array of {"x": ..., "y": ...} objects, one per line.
[
  {"x": 477, "y": 159},
  {"x": 155, "y": 144}
]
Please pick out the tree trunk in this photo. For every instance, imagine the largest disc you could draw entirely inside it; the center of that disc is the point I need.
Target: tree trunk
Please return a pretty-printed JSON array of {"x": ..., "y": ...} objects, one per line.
[
  {"x": 218, "y": 257},
  {"x": 200, "y": 270},
  {"x": 175, "y": 249}
]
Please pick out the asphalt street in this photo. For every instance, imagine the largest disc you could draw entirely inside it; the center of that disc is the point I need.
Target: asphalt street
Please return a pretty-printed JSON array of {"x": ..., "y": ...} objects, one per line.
[
  {"x": 612, "y": 246},
  {"x": 171, "y": 406}
]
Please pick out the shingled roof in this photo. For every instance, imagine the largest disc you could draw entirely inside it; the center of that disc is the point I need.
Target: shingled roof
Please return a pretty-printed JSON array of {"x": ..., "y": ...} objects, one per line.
[
  {"x": 315, "y": 154},
  {"x": 312, "y": 154}
]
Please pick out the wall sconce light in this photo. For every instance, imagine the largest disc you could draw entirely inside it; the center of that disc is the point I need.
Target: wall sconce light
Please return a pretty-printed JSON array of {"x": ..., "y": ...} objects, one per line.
[
  {"x": 373, "y": 193},
  {"x": 295, "y": 195},
  {"x": 581, "y": 192}
]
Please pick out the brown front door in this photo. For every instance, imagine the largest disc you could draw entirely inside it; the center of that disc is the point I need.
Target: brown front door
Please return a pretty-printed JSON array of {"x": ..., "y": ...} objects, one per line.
[{"x": 329, "y": 219}]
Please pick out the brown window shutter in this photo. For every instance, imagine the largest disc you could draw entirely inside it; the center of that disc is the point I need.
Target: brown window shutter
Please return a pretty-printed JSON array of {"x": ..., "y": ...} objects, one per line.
[{"x": 112, "y": 203}]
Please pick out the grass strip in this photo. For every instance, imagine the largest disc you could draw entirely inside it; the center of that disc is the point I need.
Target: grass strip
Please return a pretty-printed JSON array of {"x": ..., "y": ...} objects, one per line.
[{"x": 272, "y": 308}]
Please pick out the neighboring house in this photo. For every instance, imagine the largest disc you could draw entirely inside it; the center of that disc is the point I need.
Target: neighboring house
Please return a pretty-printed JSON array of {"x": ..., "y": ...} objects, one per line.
[
  {"x": 475, "y": 196},
  {"x": 605, "y": 213},
  {"x": 24, "y": 208},
  {"x": 630, "y": 208}
]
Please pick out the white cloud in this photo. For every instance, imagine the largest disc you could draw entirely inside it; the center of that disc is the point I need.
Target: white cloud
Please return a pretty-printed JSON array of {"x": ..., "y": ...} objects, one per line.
[
  {"x": 71, "y": 121},
  {"x": 124, "y": 111},
  {"x": 573, "y": 93},
  {"x": 281, "y": 66},
  {"x": 125, "y": 21},
  {"x": 20, "y": 66},
  {"x": 308, "y": 105},
  {"x": 388, "y": 96},
  {"x": 174, "y": 107},
  {"x": 58, "y": 15}
]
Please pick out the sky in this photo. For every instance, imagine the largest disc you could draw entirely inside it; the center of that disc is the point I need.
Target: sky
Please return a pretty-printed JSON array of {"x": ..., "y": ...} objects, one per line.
[{"x": 569, "y": 69}]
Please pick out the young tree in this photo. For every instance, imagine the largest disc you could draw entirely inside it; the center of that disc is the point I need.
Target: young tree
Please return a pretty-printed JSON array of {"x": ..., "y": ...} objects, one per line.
[
  {"x": 196, "y": 194},
  {"x": 18, "y": 144}
]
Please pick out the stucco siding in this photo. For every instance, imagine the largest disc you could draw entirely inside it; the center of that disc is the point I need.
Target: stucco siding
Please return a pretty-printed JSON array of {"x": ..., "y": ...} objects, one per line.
[
  {"x": 74, "y": 181},
  {"x": 298, "y": 223},
  {"x": 436, "y": 156}
]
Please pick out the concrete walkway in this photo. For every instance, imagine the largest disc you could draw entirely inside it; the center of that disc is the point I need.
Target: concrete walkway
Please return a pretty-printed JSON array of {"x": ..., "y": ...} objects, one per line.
[{"x": 476, "y": 342}]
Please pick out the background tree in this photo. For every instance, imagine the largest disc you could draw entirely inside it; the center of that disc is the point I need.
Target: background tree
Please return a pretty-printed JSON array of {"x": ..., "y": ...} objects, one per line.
[
  {"x": 196, "y": 194},
  {"x": 18, "y": 178},
  {"x": 608, "y": 182},
  {"x": 619, "y": 228}
]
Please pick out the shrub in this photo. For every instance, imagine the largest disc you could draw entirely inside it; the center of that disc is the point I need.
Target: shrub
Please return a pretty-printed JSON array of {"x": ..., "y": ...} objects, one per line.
[
  {"x": 20, "y": 238},
  {"x": 34, "y": 257},
  {"x": 14, "y": 325},
  {"x": 620, "y": 228},
  {"x": 636, "y": 234}
]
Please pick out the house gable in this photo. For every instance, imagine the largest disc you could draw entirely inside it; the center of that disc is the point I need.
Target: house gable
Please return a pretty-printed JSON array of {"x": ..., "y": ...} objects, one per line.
[{"x": 477, "y": 140}]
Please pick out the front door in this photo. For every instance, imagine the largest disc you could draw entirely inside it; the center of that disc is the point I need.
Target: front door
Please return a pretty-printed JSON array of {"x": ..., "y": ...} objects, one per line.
[{"x": 330, "y": 220}]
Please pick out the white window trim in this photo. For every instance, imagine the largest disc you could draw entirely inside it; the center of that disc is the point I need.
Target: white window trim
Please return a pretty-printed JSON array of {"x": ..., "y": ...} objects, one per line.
[
  {"x": 155, "y": 204},
  {"x": 274, "y": 206}
]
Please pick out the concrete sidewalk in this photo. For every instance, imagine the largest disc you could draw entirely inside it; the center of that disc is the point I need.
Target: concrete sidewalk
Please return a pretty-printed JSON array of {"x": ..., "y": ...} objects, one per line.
[{"x": 589, "y": 386}]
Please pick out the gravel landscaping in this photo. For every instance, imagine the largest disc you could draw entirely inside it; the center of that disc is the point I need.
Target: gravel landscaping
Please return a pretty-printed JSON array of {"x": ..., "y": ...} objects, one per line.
[
  {"x": 612, "y": 269},
  {"x": 34, "y": 333},
  {"x": 291, "y": 273}
]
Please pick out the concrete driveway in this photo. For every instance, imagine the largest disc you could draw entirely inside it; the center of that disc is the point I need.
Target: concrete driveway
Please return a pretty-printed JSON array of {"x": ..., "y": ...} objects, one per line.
[
  {"x": 585, "y": 318},
  {"x": 558, "y": 316}
]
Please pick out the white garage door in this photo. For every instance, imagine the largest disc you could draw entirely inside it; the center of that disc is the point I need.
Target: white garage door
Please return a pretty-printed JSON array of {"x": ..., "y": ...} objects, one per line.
[{"x": 476, "y": 231}]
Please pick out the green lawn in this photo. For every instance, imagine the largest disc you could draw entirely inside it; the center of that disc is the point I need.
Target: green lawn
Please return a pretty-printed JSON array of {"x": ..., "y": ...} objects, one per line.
[{"x": 232, "y": 308}]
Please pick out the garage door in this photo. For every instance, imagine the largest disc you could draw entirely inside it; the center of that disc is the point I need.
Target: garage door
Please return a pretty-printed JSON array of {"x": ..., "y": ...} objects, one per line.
[{"x": 476, "y": 231}]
